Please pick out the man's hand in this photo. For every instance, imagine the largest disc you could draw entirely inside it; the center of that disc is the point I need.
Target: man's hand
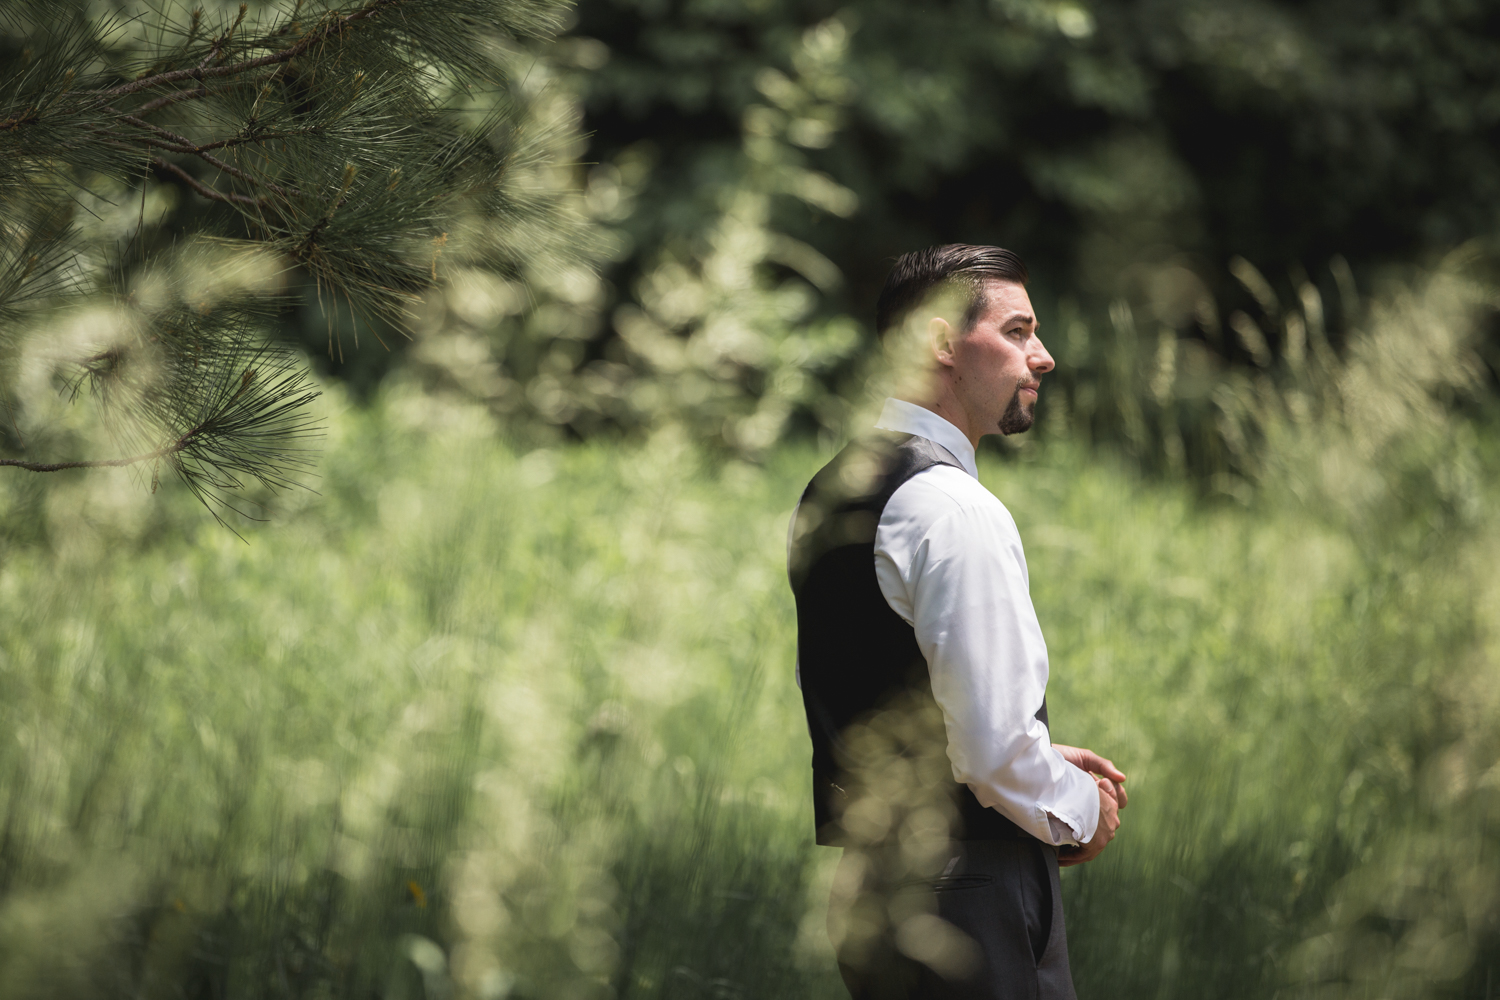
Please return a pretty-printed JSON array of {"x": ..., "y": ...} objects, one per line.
[
  {"x": 1109, "y": 822},
  {"x": 1091, "y": 762}
]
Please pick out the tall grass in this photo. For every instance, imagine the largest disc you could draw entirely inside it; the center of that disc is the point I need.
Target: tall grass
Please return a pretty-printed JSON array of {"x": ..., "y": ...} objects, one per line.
[{"x": 481, "y": 722}]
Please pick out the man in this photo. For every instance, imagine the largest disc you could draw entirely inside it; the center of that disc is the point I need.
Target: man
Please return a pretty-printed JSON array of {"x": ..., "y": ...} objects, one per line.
[{"x": 915, "y": 631}]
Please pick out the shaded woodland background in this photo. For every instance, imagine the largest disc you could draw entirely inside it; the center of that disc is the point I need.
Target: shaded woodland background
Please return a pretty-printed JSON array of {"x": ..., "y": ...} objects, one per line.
[{"x": 501, "y": 704}]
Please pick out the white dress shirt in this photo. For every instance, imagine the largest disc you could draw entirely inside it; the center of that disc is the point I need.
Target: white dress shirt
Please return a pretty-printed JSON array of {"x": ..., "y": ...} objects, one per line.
[{"x": 949, "y": 561}]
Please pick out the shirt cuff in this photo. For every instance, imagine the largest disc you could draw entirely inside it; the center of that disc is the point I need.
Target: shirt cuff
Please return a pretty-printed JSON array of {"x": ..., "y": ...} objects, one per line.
[
  {"x": 1067, "y": 826},
  {"x": 1062, "y": 833}
]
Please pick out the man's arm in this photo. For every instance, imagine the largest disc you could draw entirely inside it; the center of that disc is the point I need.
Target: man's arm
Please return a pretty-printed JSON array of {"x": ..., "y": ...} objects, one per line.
[{"x": 970, "y": 606}]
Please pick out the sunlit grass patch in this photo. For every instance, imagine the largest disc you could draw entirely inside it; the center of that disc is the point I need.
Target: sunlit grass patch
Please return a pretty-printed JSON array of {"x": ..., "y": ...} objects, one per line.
[{"x": 485, "y": 721}]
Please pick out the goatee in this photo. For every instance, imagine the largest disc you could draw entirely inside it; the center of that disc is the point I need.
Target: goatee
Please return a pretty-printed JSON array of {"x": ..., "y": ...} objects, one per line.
[{"x": 1016, "y": 418}]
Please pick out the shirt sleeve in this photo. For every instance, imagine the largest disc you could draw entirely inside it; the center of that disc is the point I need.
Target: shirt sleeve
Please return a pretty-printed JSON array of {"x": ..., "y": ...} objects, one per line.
[{"x": 967, "y": 597}]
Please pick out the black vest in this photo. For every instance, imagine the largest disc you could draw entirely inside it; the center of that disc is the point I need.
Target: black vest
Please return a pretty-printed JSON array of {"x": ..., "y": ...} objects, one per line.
[{"x": 855, "y": 655}]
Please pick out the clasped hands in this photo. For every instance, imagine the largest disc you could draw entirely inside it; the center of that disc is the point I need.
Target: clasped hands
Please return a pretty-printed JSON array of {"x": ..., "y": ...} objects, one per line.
[{"x": 1112, "y": 798}]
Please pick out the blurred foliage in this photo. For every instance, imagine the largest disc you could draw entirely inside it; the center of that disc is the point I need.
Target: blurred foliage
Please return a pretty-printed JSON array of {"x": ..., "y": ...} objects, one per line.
[
  {"x": 1171, "y": 403},
  {"x": 1103, "y": 141},
  {"x": 1143, "y": 157},
  {"x": 487, "y": 795},
  {"x": 484, "y": 721},
  {"x": 497, "y": 715},
  {"x": 700, "y": 200},
  {"x": 166, "y": 171},
  {"x": 720, "y": 328}
]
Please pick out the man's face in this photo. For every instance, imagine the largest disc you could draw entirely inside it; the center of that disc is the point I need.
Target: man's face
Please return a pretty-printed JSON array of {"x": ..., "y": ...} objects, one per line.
[{"x": 998, "y": 365}]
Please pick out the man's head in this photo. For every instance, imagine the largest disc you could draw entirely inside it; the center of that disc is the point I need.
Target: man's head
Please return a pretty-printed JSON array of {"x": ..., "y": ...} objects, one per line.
[{"x": 986, "y": 358}]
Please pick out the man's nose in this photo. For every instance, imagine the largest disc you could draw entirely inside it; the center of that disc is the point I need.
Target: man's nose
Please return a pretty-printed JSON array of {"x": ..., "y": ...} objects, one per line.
[{"x": 1038, "y": 359}]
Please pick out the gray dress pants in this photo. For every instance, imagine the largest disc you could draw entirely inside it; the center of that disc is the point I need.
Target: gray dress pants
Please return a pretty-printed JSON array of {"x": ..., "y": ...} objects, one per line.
[{"x": 987, "y": 926}]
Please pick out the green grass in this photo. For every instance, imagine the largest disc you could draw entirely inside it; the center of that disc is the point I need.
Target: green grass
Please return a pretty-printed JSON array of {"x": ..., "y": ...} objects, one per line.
[{"x": 473, "y": 722}]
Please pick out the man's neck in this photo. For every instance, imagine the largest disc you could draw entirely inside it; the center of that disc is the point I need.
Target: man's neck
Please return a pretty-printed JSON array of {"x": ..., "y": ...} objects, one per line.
[{"x": 947, "y": 407}]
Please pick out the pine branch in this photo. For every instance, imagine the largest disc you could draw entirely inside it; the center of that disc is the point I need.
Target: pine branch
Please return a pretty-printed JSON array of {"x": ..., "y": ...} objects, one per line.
[
  {"x": 334, "y": 28},
  {"x": 346, "y": 159},
  {"x": 95, "y": 463},
  {"x": 35, "y": 255},
  {"x": 238, "y": 140},
  {"x": 166, "y": 100},
  {"x": 181, "y": 144},
  {"x": 203, "y": 189},
  {"x": 215, "y": 50},
  {"x": 242, "y": 401},
  {"x": 247, "y": 430}
]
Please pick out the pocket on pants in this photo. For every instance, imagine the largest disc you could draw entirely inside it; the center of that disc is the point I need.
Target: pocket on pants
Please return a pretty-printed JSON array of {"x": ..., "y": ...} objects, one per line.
[
  {"x": 1036, "y": 902},
  {"x": 957, "y": 883}
]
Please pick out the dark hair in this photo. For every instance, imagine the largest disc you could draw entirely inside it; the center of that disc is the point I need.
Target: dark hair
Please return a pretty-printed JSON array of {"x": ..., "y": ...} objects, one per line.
[{"x": 915, "y": 275}]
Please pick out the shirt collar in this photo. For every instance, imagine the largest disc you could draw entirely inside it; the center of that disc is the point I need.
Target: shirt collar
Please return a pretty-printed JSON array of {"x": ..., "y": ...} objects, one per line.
[{"x": 909, "y": 418}]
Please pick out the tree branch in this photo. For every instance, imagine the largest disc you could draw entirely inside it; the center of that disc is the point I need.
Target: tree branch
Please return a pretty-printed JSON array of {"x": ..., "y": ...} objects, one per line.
[
  {"x": 204, "y": 189},
  {"x": 186, "y": 145},
  {"x": 104, "y": 463},
  {"x": 240, "y": 140},
  {"x": 196, "y": 94},
  {"x": 201, "y": 73},
  {"x": 215, "y": 52}
]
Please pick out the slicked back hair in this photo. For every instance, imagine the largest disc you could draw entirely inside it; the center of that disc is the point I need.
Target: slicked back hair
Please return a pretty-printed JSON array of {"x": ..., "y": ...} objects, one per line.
[{"x": 916, "y": 275}]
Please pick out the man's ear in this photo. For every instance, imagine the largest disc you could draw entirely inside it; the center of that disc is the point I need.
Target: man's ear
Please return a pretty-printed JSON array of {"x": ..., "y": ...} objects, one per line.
[{"x": 940, "y": 337}]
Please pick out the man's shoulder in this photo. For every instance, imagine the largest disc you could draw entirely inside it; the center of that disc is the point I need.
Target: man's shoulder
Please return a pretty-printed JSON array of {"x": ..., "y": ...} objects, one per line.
[
  {"x": 869, "y": 468},
  {"x": 940, "y": 491}
]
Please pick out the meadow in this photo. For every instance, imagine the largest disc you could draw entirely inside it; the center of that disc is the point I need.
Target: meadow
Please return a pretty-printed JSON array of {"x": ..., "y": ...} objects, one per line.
[{"x": 483, "y": 719}]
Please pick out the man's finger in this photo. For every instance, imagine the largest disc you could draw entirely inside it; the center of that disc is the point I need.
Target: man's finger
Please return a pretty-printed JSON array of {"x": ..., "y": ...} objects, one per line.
[
  {"x": 1109, "y": 788},
  {"x": 1095, "y": 764},
  {"x": 1120, "y": 796},
  {"x": 1106, "y": 768}
]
